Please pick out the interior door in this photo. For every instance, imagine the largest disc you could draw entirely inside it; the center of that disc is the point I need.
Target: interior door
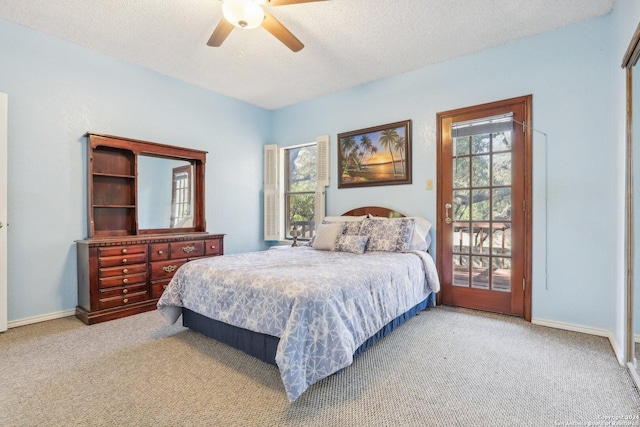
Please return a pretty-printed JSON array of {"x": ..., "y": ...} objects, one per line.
[
  {"x": 3, "y": 212},
  {"x": 484, "y": 203}
]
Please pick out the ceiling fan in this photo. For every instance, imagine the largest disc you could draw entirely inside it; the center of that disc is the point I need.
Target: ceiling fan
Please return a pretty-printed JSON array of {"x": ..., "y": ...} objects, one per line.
[{"x": 248, "y": 14}]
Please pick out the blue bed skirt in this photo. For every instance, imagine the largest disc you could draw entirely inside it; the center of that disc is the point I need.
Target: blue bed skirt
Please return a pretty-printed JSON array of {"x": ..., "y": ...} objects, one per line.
[{"x": 264, "y": 346}]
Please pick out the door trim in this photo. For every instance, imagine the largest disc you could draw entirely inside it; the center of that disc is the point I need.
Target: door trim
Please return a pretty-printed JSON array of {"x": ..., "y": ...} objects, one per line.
[
  {"x": 4, "y": 309},
  {"x": 528, "y": 143}
]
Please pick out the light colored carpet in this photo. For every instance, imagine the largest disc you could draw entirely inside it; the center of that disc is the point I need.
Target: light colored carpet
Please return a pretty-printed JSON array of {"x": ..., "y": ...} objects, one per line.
[{"x": 445, "y": 367}]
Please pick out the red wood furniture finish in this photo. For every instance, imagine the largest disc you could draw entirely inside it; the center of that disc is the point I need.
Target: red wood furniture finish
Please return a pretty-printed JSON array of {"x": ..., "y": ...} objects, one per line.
[
  {"x": 119, "y": 277},
  {"x": 122, "y": 269}
]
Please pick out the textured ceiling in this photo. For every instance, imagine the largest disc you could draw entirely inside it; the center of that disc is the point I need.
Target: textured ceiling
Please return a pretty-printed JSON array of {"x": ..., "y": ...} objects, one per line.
[{"x": 347, "y": 42}]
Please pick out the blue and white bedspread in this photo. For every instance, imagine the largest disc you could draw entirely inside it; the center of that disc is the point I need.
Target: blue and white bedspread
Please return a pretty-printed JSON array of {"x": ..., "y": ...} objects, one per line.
[{"x": 322, "y": 305}]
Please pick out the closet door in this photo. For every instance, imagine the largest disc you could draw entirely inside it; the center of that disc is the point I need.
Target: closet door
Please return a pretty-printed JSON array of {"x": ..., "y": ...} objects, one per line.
[{"x": 3, "y": 212}]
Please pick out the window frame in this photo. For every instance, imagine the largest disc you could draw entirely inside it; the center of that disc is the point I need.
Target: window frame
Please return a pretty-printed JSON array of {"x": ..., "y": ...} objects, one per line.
[{"x": 286, "y": 192}]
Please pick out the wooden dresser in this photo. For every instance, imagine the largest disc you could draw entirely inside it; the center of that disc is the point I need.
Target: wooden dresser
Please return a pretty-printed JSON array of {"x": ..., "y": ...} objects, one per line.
[
  {"x": 145, "y": 219},
  {"x": 124, "y": 276}
]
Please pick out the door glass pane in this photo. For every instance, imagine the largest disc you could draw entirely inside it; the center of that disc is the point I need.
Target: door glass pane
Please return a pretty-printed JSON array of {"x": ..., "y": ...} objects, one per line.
[
  {"x": 480, "y": 272},
  {"x": 480, "y": 144},
  {"x": 461, "y": 146},
  {"x": 480, "y": 171},
  {"x": 461, "y": 237},
  {"x": 480, "y": 205},
  {"x": 501, "y": 239},
  {"x": 461, "y": 271},
  {"x": 501, "y": 169},
  {"x": 480, "y": 238},
  {"x": 501, "y": 141},
  {"x": 501, "y": 204},
  {"x": 460, "y": 205},
  {"x": 461, "y": 172},
  {"x": 501, "y": 274}
]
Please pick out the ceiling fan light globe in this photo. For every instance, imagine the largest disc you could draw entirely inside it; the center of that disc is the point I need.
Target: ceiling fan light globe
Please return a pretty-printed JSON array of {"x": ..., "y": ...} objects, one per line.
[{"x": 243, "y": 13}]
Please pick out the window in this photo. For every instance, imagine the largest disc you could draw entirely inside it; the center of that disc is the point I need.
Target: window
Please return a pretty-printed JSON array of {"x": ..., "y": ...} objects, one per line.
[
  {"x": 181, "y": 215},
  {"x": 301, "y": 177},
  {"x": 294, "y": 181}
]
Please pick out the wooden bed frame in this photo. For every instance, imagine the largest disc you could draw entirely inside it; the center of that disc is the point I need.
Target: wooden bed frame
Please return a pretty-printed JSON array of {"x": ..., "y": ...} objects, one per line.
[{"x": 375, "y": 211}]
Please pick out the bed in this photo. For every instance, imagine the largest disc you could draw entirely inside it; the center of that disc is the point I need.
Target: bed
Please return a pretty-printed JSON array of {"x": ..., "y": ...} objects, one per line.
[{"x": 310, "y": 310}]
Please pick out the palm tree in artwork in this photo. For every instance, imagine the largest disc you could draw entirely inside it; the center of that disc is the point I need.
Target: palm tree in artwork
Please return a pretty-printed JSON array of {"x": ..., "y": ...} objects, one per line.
[
  {"x": 367, "y": 146},
  {"x": 348, "y": 144},
  {"x": 388, "y": 139},
  {"x": 399, "y": 146}
]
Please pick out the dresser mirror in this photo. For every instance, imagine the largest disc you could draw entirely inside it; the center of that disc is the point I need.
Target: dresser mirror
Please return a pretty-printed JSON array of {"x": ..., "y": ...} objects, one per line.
[{"x": 165, "y": 193}]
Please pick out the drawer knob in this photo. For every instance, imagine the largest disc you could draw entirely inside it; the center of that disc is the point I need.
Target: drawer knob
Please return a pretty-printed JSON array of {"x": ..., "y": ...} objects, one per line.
[
  {"x": 124, "y": 260},
  {"x": 160, "y": 252},
  {"x": 126, "y": 300},
  {"x": 125, "y": 271},
  {"x": 124, "y": 251},
  {"x": 125, "y": 280},
  {"x": 125, "y": 291},
  {"x": 213, "y": 246},
  {"x": 188, "y": 249},
  {"x": 169, "y": 268}
]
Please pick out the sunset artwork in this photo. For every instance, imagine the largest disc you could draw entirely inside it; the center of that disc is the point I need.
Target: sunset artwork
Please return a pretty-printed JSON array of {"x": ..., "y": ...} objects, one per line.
[{"x": 379, "y": 155}]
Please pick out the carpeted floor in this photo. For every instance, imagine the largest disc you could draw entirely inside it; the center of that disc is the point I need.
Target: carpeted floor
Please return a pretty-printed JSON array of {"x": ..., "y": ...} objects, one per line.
[{"x": 445, "y": 367}]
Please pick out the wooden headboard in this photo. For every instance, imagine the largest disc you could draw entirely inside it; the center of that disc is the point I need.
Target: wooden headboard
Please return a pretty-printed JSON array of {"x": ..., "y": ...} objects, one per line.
[{"x": 375, "y": 211}]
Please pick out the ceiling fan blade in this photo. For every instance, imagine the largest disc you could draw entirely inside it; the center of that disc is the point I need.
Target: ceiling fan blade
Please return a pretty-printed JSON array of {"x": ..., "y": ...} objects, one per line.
[
  {"x": 288, "y": 2},
  {"x": 220, "y": 33},
  {"x": 280, "y": 32}
]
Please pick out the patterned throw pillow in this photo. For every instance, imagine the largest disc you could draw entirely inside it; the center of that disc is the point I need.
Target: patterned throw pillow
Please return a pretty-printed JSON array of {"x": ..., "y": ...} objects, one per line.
[
  {"x": 388, "y": 236},
  {"x": 353, "y": 244},
  {"x": 352, "y": 228}
]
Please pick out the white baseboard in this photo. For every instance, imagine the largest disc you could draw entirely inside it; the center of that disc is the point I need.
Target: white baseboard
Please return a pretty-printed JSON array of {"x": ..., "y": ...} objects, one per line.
[
  {"x": 42, "y": 318},
  {"x": 585, "y": 330}
]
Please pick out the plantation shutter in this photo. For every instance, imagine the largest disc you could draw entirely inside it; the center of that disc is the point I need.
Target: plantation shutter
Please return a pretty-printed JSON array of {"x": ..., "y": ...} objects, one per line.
[
  {"x": 322, "y": 144},
  {"x": 323, "y": 161},
  {"x": 271, "y": 193}
]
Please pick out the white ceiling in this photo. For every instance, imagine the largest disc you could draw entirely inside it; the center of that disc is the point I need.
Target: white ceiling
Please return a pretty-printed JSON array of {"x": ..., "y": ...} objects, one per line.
[{"x": 347, "y": 42}]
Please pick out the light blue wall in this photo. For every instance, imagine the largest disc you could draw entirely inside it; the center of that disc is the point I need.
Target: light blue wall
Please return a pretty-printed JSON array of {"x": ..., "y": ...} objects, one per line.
[
  {"x": 568, "y": 72},
  {"x": 59, "y": 91}
]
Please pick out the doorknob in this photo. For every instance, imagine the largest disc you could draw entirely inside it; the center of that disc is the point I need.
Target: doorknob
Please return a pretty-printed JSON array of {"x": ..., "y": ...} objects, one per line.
[
  {"x": 447, "y": 219},
  {"x": 1, "y": 225}
]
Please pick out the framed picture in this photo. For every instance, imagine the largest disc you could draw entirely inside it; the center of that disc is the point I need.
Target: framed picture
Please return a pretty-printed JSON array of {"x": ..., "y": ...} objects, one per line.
[{"x": 379, "y": 155}]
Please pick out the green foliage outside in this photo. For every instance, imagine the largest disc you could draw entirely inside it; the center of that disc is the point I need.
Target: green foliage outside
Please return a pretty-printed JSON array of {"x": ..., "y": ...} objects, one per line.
[{"x": 301, "y": 186}]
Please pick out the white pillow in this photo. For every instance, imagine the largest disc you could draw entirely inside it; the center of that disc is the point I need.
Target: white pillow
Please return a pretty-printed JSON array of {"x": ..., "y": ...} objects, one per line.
[
  {"x": 420, "y": 240},
  {"x": 344, "y": 218},
  {"x": 326, "y": 236}
]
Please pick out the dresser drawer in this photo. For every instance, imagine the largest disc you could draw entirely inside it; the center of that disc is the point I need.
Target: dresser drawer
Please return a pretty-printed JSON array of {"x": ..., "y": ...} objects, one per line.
[
  {"x": 123, "y": 271},
  {"x": 187, "y": 249},
  {"x": 165, "y": 269},
  {"x": 130, "y": 279},
  {"x": 157, "y": 288},
  {"x": 122, "y": 250},
  {"x": 159, "y": 252},
  {"x": 213, "y": 246},
  {"x": 123, "y": 260},
  {"x": 123, "y": 291},
  {"x": 123, "y": 300}
]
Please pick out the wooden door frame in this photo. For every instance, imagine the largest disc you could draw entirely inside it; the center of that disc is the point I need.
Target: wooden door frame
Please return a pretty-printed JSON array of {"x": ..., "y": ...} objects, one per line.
[{"x": 528, "y": 144}]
